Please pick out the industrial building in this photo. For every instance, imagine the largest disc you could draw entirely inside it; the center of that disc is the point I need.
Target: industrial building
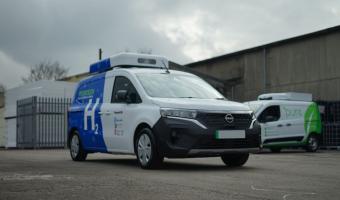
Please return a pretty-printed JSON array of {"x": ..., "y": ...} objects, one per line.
[{"x": 307, "y": 63}]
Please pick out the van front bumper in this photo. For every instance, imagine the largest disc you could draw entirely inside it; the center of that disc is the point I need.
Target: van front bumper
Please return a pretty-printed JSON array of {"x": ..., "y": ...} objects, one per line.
[{"x": 180, "y": 138}]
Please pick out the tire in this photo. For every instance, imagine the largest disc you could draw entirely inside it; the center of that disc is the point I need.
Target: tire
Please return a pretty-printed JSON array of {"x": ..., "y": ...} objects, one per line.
[
  {"x": 235, "y": 160},
  {"x": 312, "y": 144},
  {"x": 147, "y": 154},
  {"x": 275, "y": 150},
  {"x": 77, "y": 151}
]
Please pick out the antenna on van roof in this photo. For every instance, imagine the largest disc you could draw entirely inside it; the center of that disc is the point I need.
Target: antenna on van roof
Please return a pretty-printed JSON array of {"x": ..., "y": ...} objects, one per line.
[
  {"x": 166, "y": 69},
  {"x": 100, "y": 53}
]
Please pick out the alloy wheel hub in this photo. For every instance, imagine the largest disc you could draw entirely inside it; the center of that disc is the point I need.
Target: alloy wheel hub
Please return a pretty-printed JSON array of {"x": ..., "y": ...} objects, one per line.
[
  {"x": 144, "y": 149},
  {"x": 74, "y": 146}
]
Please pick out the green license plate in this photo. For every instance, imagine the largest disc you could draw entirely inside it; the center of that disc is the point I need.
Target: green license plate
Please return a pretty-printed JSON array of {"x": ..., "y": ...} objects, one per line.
[{"x": 230, "y": 134}]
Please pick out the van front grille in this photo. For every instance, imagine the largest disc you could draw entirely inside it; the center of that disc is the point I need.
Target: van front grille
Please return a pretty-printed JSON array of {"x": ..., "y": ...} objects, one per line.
[{"x": 217, "y": 120}]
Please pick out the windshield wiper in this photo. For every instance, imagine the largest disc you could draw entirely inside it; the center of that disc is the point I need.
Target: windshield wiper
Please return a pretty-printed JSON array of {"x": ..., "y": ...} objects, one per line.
[{"x": 220, "y": 98}]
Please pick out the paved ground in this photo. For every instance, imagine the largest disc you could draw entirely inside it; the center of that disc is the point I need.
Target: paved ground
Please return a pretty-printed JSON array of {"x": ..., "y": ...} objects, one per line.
[{"x": 50, "y": 174}]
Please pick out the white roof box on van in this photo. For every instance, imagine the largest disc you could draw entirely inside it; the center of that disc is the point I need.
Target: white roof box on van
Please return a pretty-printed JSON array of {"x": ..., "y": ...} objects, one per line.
[
  {"x": 130, "y": 59},
  {"x": 290, "y": 96}
]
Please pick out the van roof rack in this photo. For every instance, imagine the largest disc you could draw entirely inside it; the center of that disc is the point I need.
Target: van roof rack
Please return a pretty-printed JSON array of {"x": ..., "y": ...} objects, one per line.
[
  {"x": 289, "y": 96},
  {"x": 130, "y": 59}
]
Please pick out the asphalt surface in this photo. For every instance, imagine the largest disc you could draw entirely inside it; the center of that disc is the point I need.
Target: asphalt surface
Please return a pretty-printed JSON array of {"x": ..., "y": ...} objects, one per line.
[{"x": 50, "y": 174}]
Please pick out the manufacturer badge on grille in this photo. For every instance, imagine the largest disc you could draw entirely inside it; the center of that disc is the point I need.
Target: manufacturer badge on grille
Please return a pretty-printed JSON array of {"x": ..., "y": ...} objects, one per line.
[{"x": 229, "y": 118}]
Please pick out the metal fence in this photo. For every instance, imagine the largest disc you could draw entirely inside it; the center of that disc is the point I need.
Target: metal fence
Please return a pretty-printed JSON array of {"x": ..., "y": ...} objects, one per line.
[
  {"x": 42, "y": 122},
  {"x": 330, "y": 115}
]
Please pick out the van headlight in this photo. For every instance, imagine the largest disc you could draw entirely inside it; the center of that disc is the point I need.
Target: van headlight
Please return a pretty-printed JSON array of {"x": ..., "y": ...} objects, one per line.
[
  {"x": 253, "y": 121},
  {"x": 253, "y": 116},
  {"x": 182, "y": 113}
]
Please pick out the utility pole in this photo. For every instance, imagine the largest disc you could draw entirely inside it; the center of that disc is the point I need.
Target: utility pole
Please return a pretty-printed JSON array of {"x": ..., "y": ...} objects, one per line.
[
  {"x": 264, "y": 70},
  {"x": 100, "y": 54}
]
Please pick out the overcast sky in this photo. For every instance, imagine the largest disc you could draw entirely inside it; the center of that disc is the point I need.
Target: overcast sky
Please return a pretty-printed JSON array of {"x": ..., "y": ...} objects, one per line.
[{"x": 71, "y": 31}]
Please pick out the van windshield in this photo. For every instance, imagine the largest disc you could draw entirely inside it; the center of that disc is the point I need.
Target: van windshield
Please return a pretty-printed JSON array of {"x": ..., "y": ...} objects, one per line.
[{"x": 177, "y": 86}]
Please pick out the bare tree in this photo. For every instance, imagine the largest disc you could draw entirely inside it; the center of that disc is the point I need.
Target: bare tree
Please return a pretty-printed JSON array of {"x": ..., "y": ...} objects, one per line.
[
  {"x": 46, "y": 70},
  {"x": 2, "y": 95},
  {"x": 2, "y": 88}
]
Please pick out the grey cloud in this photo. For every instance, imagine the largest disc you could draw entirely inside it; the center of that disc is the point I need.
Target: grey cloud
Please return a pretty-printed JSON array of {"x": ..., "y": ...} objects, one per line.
[{"x": 72, "y": 31}]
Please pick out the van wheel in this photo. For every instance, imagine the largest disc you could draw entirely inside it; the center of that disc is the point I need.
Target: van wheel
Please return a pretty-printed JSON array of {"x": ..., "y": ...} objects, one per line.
[
  {"x": 76, "y": 149},
  {"x": 312, "y": 144},
  {"x": 235, "y": 160},
  {"x": 146, "y": 150},
  {"x": 275, "y": 150}
]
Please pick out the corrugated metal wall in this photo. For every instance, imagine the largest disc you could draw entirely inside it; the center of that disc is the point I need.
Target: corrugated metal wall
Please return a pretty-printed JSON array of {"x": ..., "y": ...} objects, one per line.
[{"x": 308, "y": 65}]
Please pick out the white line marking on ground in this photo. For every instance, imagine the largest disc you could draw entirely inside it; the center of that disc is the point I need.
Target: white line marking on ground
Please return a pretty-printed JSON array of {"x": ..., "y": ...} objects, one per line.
[
  {"x": 285, "y": 196},
  {"x": 26, "y": 177},
  {"x": 286, "y": 193}
]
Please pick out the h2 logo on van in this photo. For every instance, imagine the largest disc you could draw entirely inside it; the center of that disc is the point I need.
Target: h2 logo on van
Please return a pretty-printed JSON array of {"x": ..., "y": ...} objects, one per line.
[{"x": 91, "y": 114}]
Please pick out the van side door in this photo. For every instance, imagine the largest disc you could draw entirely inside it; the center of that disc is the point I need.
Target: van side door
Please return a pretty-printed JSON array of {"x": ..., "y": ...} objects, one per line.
[
  {"x": 115, "y": 117},
  {"x": 270, "y": 123},
  {"x": 293, "y": 121}
]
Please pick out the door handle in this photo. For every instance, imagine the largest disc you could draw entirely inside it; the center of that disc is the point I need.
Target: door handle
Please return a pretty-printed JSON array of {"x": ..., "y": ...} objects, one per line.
[
  {"x": 104, "y": 112},
  {"x": 288, "y": 124},
  {"x": 280, "y": 125},
  {"x": 118, "y": 112}
]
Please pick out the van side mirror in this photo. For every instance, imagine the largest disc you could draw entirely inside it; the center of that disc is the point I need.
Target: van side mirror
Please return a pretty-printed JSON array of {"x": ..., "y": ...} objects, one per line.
[{"x": 122, "y": 95}]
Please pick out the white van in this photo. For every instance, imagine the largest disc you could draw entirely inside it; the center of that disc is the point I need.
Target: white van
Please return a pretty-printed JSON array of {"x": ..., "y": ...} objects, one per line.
[
  {"x": 133, "y": 104},
  {"x": 288, "y": 120}
]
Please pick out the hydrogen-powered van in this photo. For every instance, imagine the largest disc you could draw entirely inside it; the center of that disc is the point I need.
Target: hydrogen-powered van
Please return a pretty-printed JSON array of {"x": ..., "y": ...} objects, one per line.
[
  {"x": 133, "y": 104},
  {"x": 288, "y": 120}
]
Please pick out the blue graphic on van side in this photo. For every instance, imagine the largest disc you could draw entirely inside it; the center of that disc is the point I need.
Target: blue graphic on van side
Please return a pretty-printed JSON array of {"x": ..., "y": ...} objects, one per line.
[{"x": 84, "y": 113}]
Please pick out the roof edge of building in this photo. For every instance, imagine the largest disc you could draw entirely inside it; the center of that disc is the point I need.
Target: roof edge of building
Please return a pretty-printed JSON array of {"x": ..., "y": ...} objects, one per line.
[{"x": 73, "y": 76}]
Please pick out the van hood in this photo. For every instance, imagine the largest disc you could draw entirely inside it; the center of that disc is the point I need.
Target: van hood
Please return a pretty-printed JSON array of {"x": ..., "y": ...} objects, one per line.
[{"x": 200, "y": 104}]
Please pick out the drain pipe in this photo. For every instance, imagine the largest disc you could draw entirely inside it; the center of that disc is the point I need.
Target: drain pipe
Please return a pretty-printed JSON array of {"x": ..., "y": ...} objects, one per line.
[{"x": 264, "y": 70}]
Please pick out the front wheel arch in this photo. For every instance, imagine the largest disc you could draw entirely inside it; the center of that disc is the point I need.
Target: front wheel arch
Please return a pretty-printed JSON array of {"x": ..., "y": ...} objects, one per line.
[
  {"x": 140, "y": 127},
  {"x": 313, "y": 134},
  {"x": 318, "y": 139},
  {"x": 80, "y": 154},
  {"x": 156, "y": 159}
]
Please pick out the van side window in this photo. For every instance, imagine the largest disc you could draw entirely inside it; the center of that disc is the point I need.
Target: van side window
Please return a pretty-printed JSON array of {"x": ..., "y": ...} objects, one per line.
[
  {"x": 270, "y": 114},
  {"x": 123, "y": 84}
]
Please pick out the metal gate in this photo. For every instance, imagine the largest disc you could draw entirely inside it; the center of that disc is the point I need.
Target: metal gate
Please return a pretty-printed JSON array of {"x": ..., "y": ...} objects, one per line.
[
  {"x": 330, "y": 114},
  {"x": 42, "y": 122}
]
